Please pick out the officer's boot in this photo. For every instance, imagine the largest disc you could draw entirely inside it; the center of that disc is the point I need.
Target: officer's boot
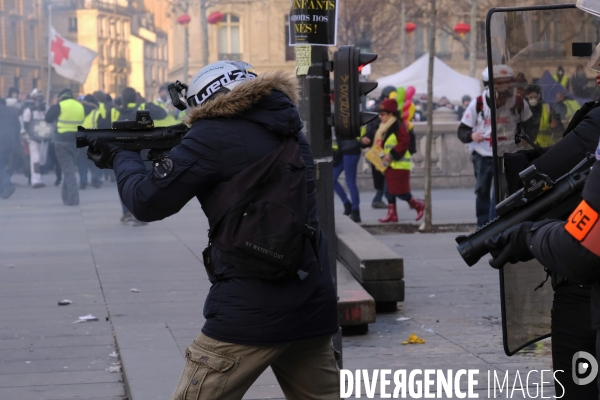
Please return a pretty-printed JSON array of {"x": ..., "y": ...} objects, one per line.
[
  {"x": 391, "y": 216},
  {"x": 417, "y": 205}
]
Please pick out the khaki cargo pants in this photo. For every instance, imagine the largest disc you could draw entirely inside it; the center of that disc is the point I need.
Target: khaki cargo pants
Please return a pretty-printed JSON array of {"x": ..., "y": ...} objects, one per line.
[{"x": 305, "y": 370}]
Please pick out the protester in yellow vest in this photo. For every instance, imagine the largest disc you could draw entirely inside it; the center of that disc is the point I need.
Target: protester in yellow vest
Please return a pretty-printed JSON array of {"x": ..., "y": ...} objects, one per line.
[
  {"x": 395, "y": 138},
  {"x": 561, "y": 78},
  {"x": 565, "y": 106},
  {"x": 83, "y": 163},
  {"x": 68, "y": 114},
  {"x": 164, "y": 101}
]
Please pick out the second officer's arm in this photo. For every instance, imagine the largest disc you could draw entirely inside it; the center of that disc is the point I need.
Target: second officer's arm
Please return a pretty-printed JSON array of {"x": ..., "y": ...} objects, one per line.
[
  {"x": 559, "y": 251},
  {"x": 173, "y": 181}
]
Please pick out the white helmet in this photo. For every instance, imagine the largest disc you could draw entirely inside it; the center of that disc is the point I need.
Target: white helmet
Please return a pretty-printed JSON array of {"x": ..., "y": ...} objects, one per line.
[
  {"x": 503, "y": 71},
  {"x": 218, "y": 77}
]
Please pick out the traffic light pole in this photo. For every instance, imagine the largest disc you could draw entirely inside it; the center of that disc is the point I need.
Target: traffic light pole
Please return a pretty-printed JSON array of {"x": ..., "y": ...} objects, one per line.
[{"x": 315, "y": 111}]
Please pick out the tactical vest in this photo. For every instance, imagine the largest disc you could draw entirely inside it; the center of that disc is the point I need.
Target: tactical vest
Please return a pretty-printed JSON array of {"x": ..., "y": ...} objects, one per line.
[{"x": 71, "y": 116}]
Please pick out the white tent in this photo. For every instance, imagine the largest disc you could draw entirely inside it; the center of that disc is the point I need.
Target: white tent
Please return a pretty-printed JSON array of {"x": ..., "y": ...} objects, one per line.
[{"x": 446, "y": 81}]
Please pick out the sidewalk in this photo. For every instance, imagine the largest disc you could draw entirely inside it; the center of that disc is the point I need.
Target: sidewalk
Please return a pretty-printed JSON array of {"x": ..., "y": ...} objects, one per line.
[{"x": 49, "y": 252}]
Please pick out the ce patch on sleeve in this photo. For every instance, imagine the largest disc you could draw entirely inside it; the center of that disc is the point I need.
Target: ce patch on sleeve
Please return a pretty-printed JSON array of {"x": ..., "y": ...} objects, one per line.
[
  {"x": 162, "y": 168},
  {"x": 583, "y": 226}
]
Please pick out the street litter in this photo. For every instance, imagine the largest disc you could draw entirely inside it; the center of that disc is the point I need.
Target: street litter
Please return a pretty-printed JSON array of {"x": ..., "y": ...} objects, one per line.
[
  {"x": 113, "y": 354},
  {"x": 414, "y": 339},
  {"x": 114, "y": 368},
  {"x": 86, "y": 318},
  {"x": 134, "y": 290},
  {"x": 64, "y": 302},
  {"x": 402, "y": 319},
  {"x": 432, "y": 295},
  {"x": 427, "y": 329}
]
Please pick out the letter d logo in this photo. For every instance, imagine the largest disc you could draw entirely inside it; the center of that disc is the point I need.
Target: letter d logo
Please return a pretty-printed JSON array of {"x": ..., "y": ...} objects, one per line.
[{"x": 583, "y": 367}]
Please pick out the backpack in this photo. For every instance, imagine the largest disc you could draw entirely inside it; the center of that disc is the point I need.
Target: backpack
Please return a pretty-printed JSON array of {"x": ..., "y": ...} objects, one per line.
[{"x": 259, "y": 222}]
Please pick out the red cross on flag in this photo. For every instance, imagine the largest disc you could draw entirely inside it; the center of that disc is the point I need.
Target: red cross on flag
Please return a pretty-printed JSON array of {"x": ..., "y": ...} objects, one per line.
[{"x": 70, "y": 59}]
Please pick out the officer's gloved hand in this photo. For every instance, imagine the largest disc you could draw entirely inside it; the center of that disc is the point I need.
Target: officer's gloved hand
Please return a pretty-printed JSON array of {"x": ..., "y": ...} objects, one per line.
[
  {"x": 102, "y": 152},
  {"x": 510, "y": 246}
]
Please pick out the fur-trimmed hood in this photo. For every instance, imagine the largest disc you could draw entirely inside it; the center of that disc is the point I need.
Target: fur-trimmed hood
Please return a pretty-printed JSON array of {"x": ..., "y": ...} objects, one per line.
[{"x": 247, "y": 95}]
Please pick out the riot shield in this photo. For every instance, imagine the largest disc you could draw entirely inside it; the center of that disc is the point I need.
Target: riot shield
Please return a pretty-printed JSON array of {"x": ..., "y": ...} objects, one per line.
[{"x": 538, "y": 79}]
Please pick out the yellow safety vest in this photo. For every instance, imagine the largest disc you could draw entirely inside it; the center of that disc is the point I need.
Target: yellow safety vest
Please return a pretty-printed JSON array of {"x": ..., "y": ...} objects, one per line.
[
  {"x": 114, "y": 114},
  {"x": 100, "y": 112},
  {"x": 167, "y": 121},
  {"x": 88, "y": 121},
  {"x": 572, "y": 107},
  {"x": 404, "y": 162},
  {"x": 564, "y": 81},
  {"x": 71, "y": 116},
  {"x": 545, "y": 139}
]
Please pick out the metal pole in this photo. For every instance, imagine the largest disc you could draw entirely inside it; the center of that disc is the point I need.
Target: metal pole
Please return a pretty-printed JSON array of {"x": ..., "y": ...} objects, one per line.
[
  {"x": 315, "y": 111},
  {"x": 403, "y": 34},
  {"x": 473, "y": 40},
  {"x": 49, "y": 53}
]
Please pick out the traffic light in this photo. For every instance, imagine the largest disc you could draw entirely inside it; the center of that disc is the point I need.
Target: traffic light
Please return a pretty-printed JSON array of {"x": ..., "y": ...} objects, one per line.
[{"x": 348, "y": 90}]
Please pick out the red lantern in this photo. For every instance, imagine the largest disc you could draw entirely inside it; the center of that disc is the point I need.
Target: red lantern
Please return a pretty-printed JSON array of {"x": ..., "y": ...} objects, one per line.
[
  {"x": 462, "y": 29},
  {"x": 184, "y": 19},
  {"x": 410, "y": 27},
  {"x": 215, "y": 18}
]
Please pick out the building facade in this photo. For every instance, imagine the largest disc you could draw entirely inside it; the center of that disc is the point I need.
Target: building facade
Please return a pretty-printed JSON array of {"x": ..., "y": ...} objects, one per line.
[
  {"x": 149, "y": 49},
  {"x": 21, "y": 63},
  {"x": 102, "y": 26},
  {"x": 131, "y": 51},
  {"x": 253, "y": 31}
]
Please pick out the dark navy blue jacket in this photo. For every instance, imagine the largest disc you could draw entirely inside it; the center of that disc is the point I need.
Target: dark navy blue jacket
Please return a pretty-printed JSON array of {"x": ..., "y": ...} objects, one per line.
[{"x": 226, "y": 137}]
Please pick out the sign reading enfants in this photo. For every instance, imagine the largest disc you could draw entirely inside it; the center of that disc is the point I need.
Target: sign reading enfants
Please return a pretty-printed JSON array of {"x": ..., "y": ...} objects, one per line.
[{"x": 313, "y": 22}]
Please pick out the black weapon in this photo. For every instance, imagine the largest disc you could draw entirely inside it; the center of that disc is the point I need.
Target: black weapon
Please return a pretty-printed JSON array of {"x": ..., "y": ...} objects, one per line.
[
  {"x": 136, "y": 135},
  {"x": 539, "y": 199}
]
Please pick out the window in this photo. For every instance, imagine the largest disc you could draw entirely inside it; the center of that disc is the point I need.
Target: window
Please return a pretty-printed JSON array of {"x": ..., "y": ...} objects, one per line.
[
  {"x": 229, "y": 38},
  {"x": 11, "y": 45},
  {"x": 290, "y": 53},
  {"x": 30, "y": 41},
  {"x": 72, "y": 24}
]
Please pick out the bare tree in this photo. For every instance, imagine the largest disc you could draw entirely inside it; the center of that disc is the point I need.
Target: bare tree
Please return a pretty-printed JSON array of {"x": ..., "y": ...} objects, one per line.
[{"x": 376, "y": 22}]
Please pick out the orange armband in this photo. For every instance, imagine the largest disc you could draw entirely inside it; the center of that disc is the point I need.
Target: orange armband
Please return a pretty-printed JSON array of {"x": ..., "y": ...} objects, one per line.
[{"x": 584, "y": 227}]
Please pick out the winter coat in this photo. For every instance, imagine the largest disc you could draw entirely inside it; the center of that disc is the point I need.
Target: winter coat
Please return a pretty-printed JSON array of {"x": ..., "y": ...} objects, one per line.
[{"x": 228, "y": 135}]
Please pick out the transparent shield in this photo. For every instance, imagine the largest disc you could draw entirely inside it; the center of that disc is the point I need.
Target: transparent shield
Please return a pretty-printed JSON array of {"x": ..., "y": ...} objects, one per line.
[{"x": 537, "y": 86}]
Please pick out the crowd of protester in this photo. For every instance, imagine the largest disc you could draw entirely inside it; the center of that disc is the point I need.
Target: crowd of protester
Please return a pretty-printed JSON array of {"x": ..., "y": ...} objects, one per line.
[{"x": 38, "y": 138}]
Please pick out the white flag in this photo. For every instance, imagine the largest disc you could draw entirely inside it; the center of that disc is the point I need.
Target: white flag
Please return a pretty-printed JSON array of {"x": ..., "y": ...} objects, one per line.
[{"x": 70, "y": 59}]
